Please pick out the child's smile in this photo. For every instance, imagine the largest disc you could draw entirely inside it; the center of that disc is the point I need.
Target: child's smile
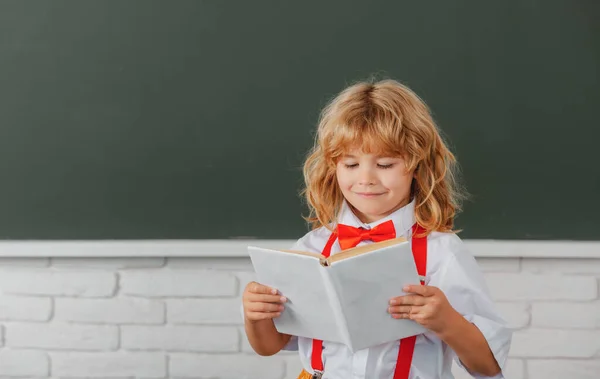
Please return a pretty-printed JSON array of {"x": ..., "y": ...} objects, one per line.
[{"x": 374, "y": 185}]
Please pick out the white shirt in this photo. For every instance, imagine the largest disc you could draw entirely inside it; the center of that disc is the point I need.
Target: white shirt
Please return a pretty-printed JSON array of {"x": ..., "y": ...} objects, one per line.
[{"x": 451, "y": 268}]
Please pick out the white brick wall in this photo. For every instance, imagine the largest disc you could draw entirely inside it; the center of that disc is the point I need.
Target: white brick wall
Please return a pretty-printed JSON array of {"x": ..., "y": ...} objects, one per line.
[
  {"x": 108, "y": 365},
  {"x": 24, "y": 363},
  {"x": 161, "y": 318}
]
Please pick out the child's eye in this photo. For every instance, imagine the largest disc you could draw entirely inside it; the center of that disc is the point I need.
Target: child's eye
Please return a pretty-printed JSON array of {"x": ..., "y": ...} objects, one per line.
[
  {"x": 384, "y": 166},
  {"x": 353, "y": 165}
]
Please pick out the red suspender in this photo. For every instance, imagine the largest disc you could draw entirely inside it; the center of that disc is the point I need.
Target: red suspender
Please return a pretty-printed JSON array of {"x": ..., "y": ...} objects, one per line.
[
  {"x": 407, "y": 345},
  {"x": 317, "y": 345}
]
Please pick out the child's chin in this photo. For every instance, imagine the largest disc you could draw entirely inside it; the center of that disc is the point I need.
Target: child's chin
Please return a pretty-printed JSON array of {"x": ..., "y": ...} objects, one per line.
[{"x": 372, "y": 212}]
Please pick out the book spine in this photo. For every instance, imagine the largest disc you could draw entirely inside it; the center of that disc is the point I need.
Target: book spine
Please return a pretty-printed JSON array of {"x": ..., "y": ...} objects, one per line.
[{"x": 336, "y": 306}]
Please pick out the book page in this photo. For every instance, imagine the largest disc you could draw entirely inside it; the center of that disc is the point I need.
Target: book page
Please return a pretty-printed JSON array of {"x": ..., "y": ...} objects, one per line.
[
  {"x": 365, "y": 283},
  {"x": 364, "y": 249},
  {"x": 308, "y": 310}
]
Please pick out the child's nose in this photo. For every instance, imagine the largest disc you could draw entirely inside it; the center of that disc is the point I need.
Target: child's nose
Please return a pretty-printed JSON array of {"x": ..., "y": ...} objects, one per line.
[{"x": 366, "y": 177}]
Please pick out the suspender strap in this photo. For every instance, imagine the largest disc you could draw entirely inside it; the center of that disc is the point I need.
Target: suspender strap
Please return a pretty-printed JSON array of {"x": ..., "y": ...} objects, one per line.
[
  {"x": 317, "y": 345},
  {"x": 407, "y": 345}
]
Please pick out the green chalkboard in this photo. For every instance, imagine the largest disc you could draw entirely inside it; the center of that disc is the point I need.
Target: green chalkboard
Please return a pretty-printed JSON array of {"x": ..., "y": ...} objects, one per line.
[{"x": 180, "y": 119}]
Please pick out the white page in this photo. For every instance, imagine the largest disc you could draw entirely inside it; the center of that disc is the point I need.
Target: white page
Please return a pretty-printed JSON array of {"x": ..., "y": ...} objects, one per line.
[
  {"x": 365, "y": 284},
  {"x": 308, "y": 310}
]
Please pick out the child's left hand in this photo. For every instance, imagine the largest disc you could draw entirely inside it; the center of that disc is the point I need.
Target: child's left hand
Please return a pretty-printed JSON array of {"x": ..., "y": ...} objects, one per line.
[{"x": 426, "y": 305}]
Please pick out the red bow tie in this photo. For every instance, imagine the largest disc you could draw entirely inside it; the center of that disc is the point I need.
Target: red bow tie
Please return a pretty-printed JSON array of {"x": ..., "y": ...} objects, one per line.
[{"x": 350, "y": 236}]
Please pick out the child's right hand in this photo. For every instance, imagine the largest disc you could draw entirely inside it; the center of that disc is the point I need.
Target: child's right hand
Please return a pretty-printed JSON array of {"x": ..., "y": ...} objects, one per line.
[{"x": 261, "y": 302}]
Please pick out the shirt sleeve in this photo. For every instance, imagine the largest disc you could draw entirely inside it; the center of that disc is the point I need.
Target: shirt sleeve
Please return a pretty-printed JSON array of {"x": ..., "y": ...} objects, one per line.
[
  {"x": 292, "y": 344},
  {"x": 464, "y": 286}
]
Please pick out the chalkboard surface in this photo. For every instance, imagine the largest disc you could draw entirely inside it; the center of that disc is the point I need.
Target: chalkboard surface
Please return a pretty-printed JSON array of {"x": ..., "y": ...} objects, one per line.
[{"x": 190, "y": 119}]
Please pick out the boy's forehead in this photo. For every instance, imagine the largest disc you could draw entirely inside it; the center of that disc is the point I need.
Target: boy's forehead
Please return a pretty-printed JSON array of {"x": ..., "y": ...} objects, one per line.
[
  {"x": 363, "y": 149},
  {"x": 368, "y": 146},
  {"x": 356, "y": 153}
]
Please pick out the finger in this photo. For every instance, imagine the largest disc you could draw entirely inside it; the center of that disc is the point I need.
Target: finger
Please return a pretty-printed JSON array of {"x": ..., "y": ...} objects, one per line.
[
  {"x": 398, "y": 309},
  {"x": 264, "y": 307},
  {"x": 401, "y": 316},
  {"x": 261, "y": 298},
  {"x": 408, "y": 300},
  {"x": 257, "y": 316},
  {"x": 419, "y": 290},
  {"x": 260, "y": 288}
]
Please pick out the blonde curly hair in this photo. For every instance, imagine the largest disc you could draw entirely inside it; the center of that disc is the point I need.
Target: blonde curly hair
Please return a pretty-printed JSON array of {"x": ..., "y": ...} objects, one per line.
[{"x": 383, "y": 117}]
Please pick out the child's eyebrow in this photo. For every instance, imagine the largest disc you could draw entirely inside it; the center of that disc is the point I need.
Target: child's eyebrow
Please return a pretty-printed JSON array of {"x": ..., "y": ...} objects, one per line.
[{"x": 377, "y": 156}]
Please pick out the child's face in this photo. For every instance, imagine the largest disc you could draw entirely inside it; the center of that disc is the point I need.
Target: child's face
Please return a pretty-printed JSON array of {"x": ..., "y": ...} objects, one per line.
[{"x": 375, "y": 186}]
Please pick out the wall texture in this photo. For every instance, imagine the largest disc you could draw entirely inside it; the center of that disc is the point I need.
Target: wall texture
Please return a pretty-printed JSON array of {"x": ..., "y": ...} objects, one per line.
[{"x": 161, "y": 317}]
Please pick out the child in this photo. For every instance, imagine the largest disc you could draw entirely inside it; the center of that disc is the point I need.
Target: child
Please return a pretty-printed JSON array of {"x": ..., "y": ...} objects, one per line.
[{"x": 379, "y": 169}]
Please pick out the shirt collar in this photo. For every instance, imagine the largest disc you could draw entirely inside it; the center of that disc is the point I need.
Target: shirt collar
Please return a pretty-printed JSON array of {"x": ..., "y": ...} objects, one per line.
[{"x": 403, "y": 218}]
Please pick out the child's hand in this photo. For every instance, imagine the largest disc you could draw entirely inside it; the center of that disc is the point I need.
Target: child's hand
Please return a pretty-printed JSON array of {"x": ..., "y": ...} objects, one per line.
[
  {"x": 261, "y": 302},
  {"x": 427, "y": 305}
]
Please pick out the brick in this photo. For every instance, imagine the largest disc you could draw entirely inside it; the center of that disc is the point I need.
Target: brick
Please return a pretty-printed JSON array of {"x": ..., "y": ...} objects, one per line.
[
  {"x": 24, "y": 363},
  {"x": 61, "y": 336},
  {"x": 576, "y": 369},
  {"x": 514, "y": 287},
  {"x": 178, "y": 283},
  {"x": 555, "y": 343},
  {"x": 562, "y": 265},
  {"x": 106, "y": 365},
  {"x": 25, "y": 262},
  {"x": 566, "y": 315},
  {"x": 243, "y": 279},
  {"x": 112, "y": 311},
  {"x": 499, "y": 264},
  {"x": 226, "y": 366},
  {"x": 204, "y": 311},
  {"x": 18, "y": 308},
  {"x": 58, "y": 282},
  {"x": 224, "y": 263},
  {"x": 514, "y": 369},
  {"x": 109, "y": 263},
  {"x": 515, "y": 314},
  {"x": 180, "y": 338},
  {"x": 293, "y": 366}
]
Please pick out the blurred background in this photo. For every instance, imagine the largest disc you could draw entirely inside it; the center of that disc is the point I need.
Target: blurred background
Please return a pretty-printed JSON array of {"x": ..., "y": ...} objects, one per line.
[{"x": 144, "y": 144}]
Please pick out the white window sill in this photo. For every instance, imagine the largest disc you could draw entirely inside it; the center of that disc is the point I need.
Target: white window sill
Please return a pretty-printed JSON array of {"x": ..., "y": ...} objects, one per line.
[{"x": 237, "y": 248}]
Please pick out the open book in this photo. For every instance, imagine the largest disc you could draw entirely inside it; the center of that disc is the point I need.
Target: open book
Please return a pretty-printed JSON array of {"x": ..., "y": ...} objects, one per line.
[{"x": 343, "y": 298}]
